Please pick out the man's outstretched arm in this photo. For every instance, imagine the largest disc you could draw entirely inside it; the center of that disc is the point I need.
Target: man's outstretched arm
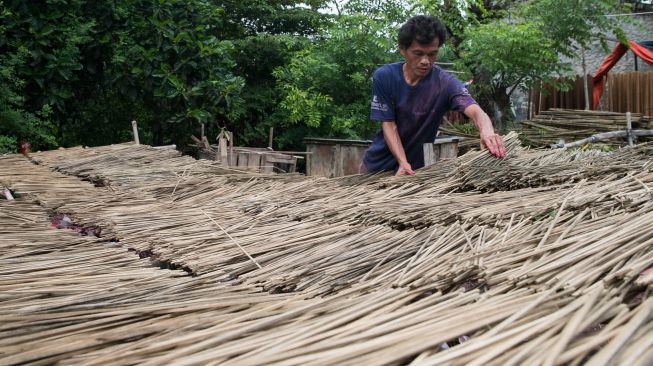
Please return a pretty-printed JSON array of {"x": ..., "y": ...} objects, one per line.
[
  {"x": 489, "y": 140},
  {"x": 392, "y": 139}
]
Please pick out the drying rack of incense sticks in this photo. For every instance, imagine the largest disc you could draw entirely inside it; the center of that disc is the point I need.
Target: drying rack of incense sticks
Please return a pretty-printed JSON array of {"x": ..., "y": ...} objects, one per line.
[
  {"x": 543, "y": 257},
  {"x": 551, "y": 126}
]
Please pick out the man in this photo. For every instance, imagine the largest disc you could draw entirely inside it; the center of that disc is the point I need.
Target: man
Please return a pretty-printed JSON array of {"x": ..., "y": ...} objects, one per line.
[{"x": 410, "y": 98}]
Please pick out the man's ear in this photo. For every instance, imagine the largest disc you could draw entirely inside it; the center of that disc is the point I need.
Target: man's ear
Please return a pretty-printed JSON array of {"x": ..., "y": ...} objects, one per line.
[{"x": 403, "y": 51}]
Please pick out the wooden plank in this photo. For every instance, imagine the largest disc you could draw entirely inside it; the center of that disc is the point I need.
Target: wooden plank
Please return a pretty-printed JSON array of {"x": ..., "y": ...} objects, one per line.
[
  {"x": 222, "y": 142},
  {"x": 429, "y": 154},
  {"x": 267, "y": 166},
  {"x": 277, "y": 159},
  {"x": 205, "y": 142},
  {"x": 449, "y": 151},
  {"x": 336, "y": 164},
  {"x": 242, "y": 159},
  {"x": 254, "y": 161},
  {"x": 352, "y": 155},
  {"x": 331, "y": 170},
  {"x": 309, "y": 160}
]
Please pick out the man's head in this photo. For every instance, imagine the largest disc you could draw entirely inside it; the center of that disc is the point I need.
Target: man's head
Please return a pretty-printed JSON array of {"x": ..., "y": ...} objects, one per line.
[
  {"x": 423, "y": 29},
  {"x": 419, "y": 41}
]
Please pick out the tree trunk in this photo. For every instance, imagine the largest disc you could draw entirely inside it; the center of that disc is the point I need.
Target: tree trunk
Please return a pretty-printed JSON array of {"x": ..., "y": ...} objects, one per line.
[
  {"x": 502, "y": 115},
  {"x": 494, "y": 101}
]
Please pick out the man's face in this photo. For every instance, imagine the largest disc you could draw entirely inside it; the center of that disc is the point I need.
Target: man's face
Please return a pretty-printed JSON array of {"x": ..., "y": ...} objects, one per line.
[{"x": 420, "y": 57}]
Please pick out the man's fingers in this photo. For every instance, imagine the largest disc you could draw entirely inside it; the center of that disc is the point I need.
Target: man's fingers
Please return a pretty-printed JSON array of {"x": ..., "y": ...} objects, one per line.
[
  {"x": 501, "y": 150},
  {"x": 494, "y": 143},
  {"x": 502, "y": 147},
  {"x": 402, "y": 171}
]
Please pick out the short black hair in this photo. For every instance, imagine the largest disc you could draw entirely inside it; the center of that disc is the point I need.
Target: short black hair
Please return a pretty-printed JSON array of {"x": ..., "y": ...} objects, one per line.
[{"x": 422, "y": 28}]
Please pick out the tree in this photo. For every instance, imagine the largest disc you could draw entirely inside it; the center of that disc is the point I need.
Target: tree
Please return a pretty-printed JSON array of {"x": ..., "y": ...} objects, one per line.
[
  {"x": 266, "y": 35},
  {"x": 326, "y": 86},
  {"x": 170, "y": 59},
  {"x": 509, "y": 45},
  {"x": 97, "y": 65},
  {"x": 18, "y": 121}
]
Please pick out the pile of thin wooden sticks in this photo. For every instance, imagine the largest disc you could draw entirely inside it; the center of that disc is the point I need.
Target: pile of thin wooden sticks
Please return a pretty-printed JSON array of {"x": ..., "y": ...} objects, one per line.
[
  {"x": 543, "y": 257},
  {"x": 550, "y": 126}
]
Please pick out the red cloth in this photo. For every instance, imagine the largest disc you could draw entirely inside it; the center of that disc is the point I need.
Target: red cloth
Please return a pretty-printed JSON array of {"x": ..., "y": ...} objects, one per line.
[{"x": 608, "y": 63}]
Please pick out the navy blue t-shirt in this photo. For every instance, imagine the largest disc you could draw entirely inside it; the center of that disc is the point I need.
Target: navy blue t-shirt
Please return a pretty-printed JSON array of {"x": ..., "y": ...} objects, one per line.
[{"x": 417, "y": 111}]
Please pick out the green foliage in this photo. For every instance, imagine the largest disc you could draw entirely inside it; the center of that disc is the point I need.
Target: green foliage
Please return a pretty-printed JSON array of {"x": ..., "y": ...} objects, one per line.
[
  {"x": 99, "y": 65},
  {"x": 327, "y": 85},
  {"x": 514, "y": 54},
  {"x": 464, "y": 129},
  {"x": 17, "y": 124},
  {"x": 50, "y": 32},
  {"x": 7, "y": 144},
  {"x": 457, "y": 15},
  {"x": 176, "y": 66},
  {"x": 572, "y": 25},
  {"x": 257, "y": 56},
  {"x": 518, "y": 44},
  {"x": 77, "y": 72}
]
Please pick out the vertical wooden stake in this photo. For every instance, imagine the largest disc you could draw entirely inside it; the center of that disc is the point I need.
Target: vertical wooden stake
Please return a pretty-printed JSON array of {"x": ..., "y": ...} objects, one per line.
[
  {"x": 270, "y": 137},
  {"x": 135, "y": 129},
  {"x": 232, "y": 161},
  {"x": 202, "y": 133},
  {"x": 539, "y": 99},
  {"x": 429, "y": 154},
  {"x": 629, "y": 128},
  {"x": 309, "y": 161},
  {"x": 222, "y": 141},
  {"x": 585, "y": 86}
]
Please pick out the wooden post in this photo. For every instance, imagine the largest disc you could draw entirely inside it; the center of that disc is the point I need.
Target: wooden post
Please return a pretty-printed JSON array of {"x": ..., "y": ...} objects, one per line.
[
  {"x": 268, "y": 166},
  {"x": 202, "y": 133},
  {"x": 135, "y": 130},
  {"x": 270, "y": 137},
  {"x": 309, "y": 160},
  {"x": 429, "y": 154},
  {"x": 539, "y": 99},
  {"x": 605, "y": 105},
  {"x": 440, "y": 149},
  {"x": 232, "y": 161},
  {"x": 222, "y": 142},
  {"x": 242, "y": 159},
  {"x": 585, "y": 87},
  {"x": 254, "y": 161},
  {"x": 629, "y": 128},
  {"x": 528, "y": 111}
]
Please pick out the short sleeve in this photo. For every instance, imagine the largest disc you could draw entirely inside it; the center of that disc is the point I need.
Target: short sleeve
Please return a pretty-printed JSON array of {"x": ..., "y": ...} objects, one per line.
[
  {"x": 459, "y": 98},
  {"x": 382, "y": 107}
]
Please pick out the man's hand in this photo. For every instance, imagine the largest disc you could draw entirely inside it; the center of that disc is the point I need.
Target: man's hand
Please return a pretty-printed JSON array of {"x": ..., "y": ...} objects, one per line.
[
  {"x": 404, "y": 169},
  {"x": 391, "y": 136},
  {"x": 489, "y": 140},
  {"x": 493, "y": 143}
]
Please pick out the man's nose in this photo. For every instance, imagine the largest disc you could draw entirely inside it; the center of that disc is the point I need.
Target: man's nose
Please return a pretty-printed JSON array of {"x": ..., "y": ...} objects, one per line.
[{"x": 424, "y": 60}]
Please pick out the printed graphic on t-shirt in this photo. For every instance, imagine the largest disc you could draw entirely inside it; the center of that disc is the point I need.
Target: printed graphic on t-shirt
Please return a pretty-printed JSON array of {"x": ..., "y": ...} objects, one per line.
[{"x": 376, "y": 105}]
